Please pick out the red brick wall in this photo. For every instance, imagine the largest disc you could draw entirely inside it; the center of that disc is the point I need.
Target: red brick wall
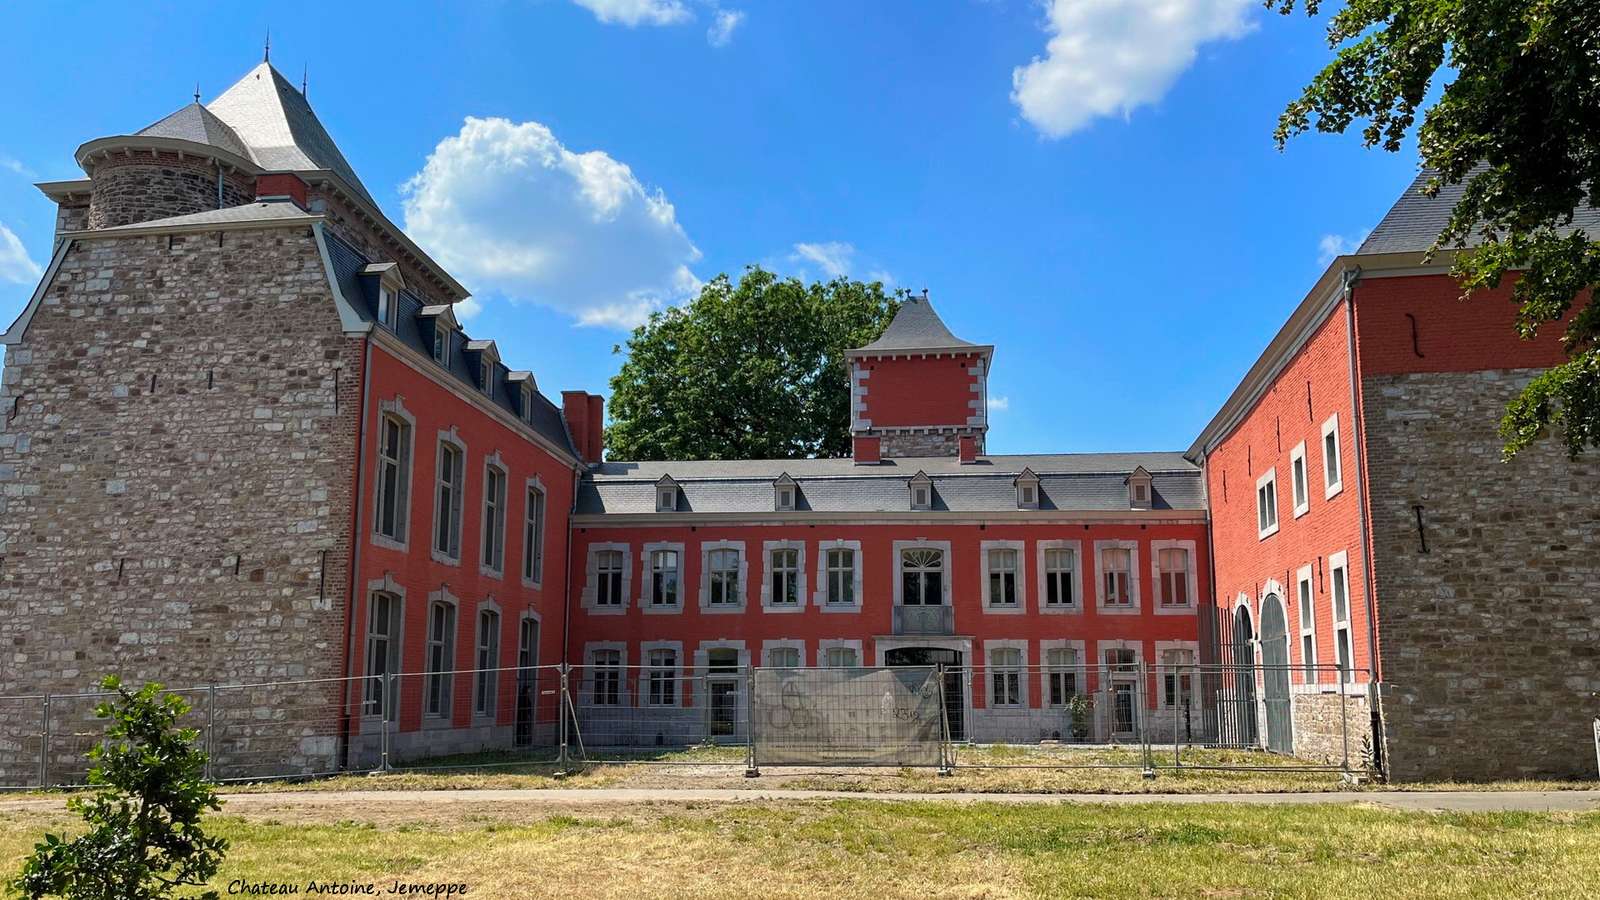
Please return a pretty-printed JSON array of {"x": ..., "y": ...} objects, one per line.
[
  {"x": 755, "y": 625},
  {"x": 921, "y": 391},
  {"x": 1451, "y": 335},
  {"x": 1314, "y": 386},
  {"x": 438, "y": 408}
]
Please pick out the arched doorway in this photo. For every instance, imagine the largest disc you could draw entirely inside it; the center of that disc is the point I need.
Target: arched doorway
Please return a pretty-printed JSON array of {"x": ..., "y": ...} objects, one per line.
[
  {"x": 955, "y": 703},
  {"x": 1275, "y": 675},
  {"x": 1239, "y": 683}
]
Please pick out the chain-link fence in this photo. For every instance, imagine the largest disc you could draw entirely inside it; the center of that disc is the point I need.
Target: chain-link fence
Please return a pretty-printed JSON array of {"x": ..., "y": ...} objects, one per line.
[{"x": 1123, "y": 713}]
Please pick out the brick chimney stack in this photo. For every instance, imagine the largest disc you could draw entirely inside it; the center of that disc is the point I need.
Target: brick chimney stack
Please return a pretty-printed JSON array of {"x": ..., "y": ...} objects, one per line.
[
  {"x": 278, "y": 185},
  {"x": 586, "y": 417}
]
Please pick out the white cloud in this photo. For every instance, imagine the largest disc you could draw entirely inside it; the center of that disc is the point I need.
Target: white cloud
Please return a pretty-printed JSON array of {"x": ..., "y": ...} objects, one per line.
[
  {"x": 1108, "y": 57},
  {"x": 999, "y": 404},
  {"x": 15, "y": 264},
  {"x": 832, "y": 257},
  {"x": 1334, "y": 245},
  {"x": 15, "y": 166},
  {"x": 722, "y": 27},
  {"x": 637, "y": 12},
  {"x": 516, "y": 214}
]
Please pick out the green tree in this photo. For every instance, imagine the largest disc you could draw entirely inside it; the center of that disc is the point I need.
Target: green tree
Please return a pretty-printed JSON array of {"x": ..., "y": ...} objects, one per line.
[
  {"x": 748, "y": 371},
  {"x": 1519, "y": 124},
  {"x": 144, "y": 839}
]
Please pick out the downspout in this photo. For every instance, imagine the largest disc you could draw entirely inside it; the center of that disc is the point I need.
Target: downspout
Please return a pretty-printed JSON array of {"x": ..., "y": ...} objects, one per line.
[
  {"x": 1211, "y": 556},
  {"x": 356, "y": 541},
  {"x": 1375, "y": 679},
  {"x": 566, "y": 577},
  {"x": 219, "y": 184}
]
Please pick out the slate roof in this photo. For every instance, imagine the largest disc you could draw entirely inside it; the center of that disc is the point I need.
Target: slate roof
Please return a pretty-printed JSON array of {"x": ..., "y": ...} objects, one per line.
[
  {"x": 272, "y": 118},
  {"x": 1067, "y": 482},
  {"x": 362, "y": 292},
  {"x": 1412, "y": 224},
  {"x": 199, "y": 125},
  {"x": 269, "y": 211},
  {"x": 916, "y": 327}
]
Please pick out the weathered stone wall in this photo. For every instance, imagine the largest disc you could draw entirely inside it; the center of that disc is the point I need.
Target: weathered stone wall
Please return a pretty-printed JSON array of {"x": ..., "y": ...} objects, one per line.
[
  {"x": 1490, "y": 637},
  {"x": 176, "y": 480},
  {"x": 72, "y": 217},
  {"x": 147, "y": 186},
  {"x": 904, "y": 444},
  {"x": 1330, "y": 728}
]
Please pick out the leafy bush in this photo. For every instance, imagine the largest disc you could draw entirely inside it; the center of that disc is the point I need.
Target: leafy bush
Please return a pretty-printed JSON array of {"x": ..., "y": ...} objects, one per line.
[{"x": 144, "y": 839}]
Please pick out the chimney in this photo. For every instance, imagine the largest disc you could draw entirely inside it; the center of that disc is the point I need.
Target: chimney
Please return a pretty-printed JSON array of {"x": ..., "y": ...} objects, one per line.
[
  {"x": 867, "y": 449},
  {"x": 280, "y": 186},
  {"x": 585, "y": 415},
  {"x": 967, "y": 447}
]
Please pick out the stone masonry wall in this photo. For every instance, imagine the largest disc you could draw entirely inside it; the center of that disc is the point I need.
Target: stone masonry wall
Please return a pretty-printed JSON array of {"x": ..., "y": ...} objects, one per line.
[
  {"x": 147, "y": 186},
  {"x": 913, "y": 444},
  {"x": 175, "y": 488},
  {"x": 1490, "y": 639},
  {"x": 1326, "y": 725}
]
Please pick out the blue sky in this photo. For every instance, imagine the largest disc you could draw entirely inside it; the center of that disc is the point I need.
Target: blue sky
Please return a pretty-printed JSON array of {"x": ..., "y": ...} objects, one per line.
[{"x": 1090, "y": 185}]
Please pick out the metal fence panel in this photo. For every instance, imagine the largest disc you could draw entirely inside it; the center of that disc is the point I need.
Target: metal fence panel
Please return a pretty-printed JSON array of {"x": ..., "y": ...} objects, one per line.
[{"x": 854, "y": 717}]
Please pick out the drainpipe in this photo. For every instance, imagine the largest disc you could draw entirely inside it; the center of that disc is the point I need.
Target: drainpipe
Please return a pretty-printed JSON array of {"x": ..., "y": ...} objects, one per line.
[
  {"x": 566, "y": 578},
  {"x": 1357, "y": 429},
  {"x": 356, "y": 540},
  {"x": 219, "y": 184},
  {"x": 1211, "y": 554}
]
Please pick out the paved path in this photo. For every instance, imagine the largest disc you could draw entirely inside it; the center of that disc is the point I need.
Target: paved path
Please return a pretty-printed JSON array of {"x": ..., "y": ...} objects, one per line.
[{"x": 1463, "y": 801}]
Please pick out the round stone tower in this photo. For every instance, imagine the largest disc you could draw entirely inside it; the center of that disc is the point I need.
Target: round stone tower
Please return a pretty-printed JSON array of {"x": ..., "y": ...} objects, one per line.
[{"x": 188, "y": 162}]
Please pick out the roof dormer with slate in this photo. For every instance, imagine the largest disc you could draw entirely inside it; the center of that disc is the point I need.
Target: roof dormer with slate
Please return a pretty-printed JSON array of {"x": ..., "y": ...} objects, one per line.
[{"x": 918, "y": 388}]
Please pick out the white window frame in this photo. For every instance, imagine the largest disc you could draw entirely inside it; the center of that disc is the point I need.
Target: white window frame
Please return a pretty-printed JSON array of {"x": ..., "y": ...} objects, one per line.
[
  {"x": 458, "y": 500},
  {"x": 650, "y": 668},
  {"x": 586, "y": 684},
  {"x": 851, "y": 645},
  {"x": 647, "y": 578},
  {"x": 1080, "y": 670},
  {"x": 482, "y": 679},
  {"x": 1019, "y": 577},
  {"x": 527, "y": 404},
  {"x": 798, "y": 646},
  {"x": 534, "y": 528},
  {"x": 591, "y": 581},
  {"x": 381, "y": 705},
  {"x": 395, "y": 411},
  {"x": 1042, "y": 550},
  {"x": 1343, "y": 636},
  {"x": 768, "y": 604},
  {"x": 1267, "y": 487},
  {"x": 444, "y": 672},
  {"x": 1332, "y": 479},
  {"x": 1299, "y": 480},
  {"x": 492, "y": 540},
  {"x": 1305, "y": 600},
  {"x": 1163, "y": 648},
  {"x": 990, "y": 650},
  {"x": 388, "y": 307},
  {"x": 923, "y": 544},
  {"x": 743, "y": 588},
  {"x": 1134, "y": 599},
  {"x": 785, "y": 496},
  {"x": 441, "y": 342},
  {"x": 1159, "y": 584},
  {"x": 486, "y": 368},
  {"x": 920, "y": 492},
  {"x": 666, "y": 496},
  {"x": 825, "y": 577}
]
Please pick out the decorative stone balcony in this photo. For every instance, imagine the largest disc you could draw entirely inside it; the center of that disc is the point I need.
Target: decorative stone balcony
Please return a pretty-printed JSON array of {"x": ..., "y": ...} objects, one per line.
[{"x": 924, "y": 620}]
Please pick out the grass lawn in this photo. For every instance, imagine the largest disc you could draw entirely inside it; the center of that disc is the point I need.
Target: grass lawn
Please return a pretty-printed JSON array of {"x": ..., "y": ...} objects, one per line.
[
  {"x": 979, "y": 769},
  {"x": 888, "y": 850}
]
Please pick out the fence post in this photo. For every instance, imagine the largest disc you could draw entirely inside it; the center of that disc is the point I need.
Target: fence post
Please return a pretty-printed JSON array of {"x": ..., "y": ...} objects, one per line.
[
  {"x": 1344, "y": 724},
  {"x": 947, "y": 750},
  {"x": 561, "y": 720},
  {"x": 390, "y": 713},
  {"x": 1181, "y": 701},
  {"x": 211, "y": 728},
  {"x": 750, "y": 770},
  {"x": 44, "y": 744},
  {"x": 1145, "y": 714}
]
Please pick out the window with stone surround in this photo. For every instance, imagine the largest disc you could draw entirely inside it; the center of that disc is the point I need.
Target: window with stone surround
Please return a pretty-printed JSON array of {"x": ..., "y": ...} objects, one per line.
[
  {"x": 841, "y": 657},
  {"x": 494, "y": 518},
  {"x": 1177, "y": 678},
  {"x": 394, "y": 477},
  {"x": 1117, "y": 565},
  {"x": 662, "y": 677},
  {"x": 447, "y": 503},
  {"x": 605, "y": 677},
  {"x": 1005, "y": 676},
  {"x": 1267, "y": 505},
  {"x": 783, "y": 573},
  {"x": 665, "y": 578},
  {"x": 608, "y": 578},
  {"x": 383, "y": 651},
  {"x": 1339, "y": 599},
  {"x": 723, "y": 574},
  {"x": 1332, "y": 466},
  {"x": 440, "y": 659},
  {"x": 840, "y": 565},
  {"x": 1299, "y": 480},
  {"x": 922, "y": 576},
  {"x": 1173, "y": 566},
  {"x": 533, "y": 536},
  {"x": 1002, "y": 564},
  {"x": 486, "y": 690},
  {"x": 1059, "y": 571},
  {"x": 783, "y": 657},
  {"x": 1308, "y": 624},
  {"x": 1062, "y": 679}
]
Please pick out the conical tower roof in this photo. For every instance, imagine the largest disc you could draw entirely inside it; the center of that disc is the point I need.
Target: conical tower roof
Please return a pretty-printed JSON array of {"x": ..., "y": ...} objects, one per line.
[
  {"x": 197, "y": 124},
  {"x": 275, "y": 122},
  {"x": 917, "y": 328}
]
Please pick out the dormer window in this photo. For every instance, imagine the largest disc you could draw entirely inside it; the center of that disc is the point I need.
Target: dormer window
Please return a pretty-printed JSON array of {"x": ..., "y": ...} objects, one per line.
[
  {"x": 441, "y": 345},
  {"x": 487, "y": 358},
  {"x": 386, "y": 308},
  {"x": 1141, "y": 493},
  {"x": 1027, "y": 490},
  {"x": 527, "y": 404},
  {"x": 387, "y": 275},
  {"x": 921, "y": 491},
  {"x": 442, "y": 318},
  {"x": 784, "y": 493},
  {"x": 486, "y": 376},
  {"x": 666, "y": 494}
]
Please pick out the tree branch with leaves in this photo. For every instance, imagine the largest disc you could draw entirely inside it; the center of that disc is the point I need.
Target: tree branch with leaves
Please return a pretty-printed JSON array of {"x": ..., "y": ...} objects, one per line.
[{"x": 1518, "y": 127}]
